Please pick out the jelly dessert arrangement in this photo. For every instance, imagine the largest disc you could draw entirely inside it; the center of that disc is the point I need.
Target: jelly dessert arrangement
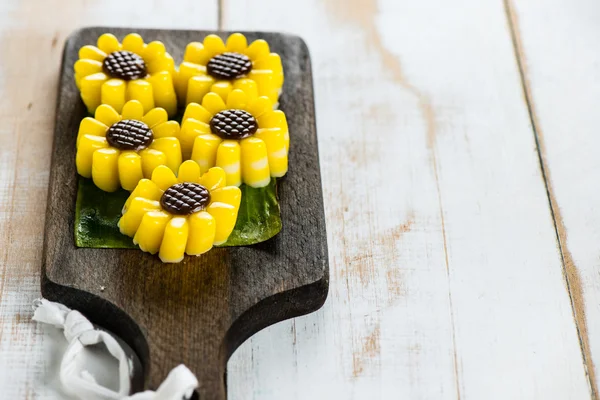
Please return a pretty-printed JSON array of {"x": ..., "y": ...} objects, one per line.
[{"x": 175, "y": 160}]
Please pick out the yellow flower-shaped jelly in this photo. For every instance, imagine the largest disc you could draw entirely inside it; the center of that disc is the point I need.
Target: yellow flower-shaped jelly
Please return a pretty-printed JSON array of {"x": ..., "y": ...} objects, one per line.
[
  {"x": 118, "y": 150},
  {"x": 184, "y": 214},
  {"x": 113, "y": 73},
  {"x": 243, "y": 135},
  {"x": 214, "y": 66}
]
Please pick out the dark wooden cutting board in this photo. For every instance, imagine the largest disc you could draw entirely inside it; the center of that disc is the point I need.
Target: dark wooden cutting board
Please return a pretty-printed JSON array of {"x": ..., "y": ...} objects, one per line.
[{"x": 197, "y": 312}]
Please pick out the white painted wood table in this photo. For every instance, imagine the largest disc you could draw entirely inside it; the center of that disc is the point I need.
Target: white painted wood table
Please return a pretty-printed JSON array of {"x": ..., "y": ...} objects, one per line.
[{"x": 460, "y": 171}]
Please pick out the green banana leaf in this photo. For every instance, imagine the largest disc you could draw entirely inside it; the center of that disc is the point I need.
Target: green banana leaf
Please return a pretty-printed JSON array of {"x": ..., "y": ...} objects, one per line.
[{"x": 97, "y": 213}]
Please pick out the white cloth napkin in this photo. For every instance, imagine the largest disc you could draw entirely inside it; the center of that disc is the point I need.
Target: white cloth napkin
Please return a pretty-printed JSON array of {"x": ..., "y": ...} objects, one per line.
[{"x": 80, "y": 332}]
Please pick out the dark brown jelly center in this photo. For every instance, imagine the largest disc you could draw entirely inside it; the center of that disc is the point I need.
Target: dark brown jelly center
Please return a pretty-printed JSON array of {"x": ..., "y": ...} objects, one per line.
[
  {"x": 233, "y": 124},
  {"x": 124, "y": 65},
  {"x": 229, "y": 66},
  {"x": 129, "y": 134},
  {"x": 185, "y": 198}
]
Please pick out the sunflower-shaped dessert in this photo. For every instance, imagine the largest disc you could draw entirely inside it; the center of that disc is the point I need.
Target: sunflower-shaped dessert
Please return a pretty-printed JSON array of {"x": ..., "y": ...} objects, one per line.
[
  {"x": 243, "y": 135},
  {"x": 185, "y": 214},
  {"x": 112, "y": 73},
  {"x": 118, "y": 150},
  {"x": 214, "y": 66}
]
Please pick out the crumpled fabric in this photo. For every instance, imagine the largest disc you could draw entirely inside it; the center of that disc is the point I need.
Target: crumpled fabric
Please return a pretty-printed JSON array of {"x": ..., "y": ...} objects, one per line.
[{"x": 79, "y": 332}]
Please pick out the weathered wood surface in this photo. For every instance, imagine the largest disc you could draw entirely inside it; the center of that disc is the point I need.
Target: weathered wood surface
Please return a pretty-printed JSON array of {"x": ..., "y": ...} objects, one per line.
[
  {"x": 440, "y": 128},
  {"x": 197, "y": 312},
  {"x": 32, "y": 37},
  {"x": 557, "y": 43},
  {"x": 446, "y": 281}
]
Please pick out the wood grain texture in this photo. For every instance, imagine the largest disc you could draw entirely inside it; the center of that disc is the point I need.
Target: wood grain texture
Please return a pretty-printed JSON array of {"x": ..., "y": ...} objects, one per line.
[
  {"x": 446, "y": 278},
  {"x": 197, "y": 312},
  {"x": 32, "y": 34},
  {"x": 386, "y": 331},
  {"x": 556, "y": 42}
]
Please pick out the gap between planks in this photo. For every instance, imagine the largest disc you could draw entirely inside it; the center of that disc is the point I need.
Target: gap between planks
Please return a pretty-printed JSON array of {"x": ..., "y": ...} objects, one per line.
[
  {"x": 220, "y": 15},
  {"x": 570, "y": 272}
]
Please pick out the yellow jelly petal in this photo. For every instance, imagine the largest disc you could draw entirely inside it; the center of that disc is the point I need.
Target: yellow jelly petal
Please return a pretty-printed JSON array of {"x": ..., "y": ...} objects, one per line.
[
  {"x": 272, "y": 119},
  {"x": 265, "y": 82},
  {"x": 171, "y": 148},
  {"x": 131, "y": 219},
  {"x": 149, "y": 234},
  {"x": 194, "y": 53},
  {"x": 201, "y": 233},
  {"x": 91, "y": 126},
  {"x": 87, "y": 146},
  {"x": 186, "y": 71},
  {"x": 258, "y": 49},
  {"x": 277, "y": 149},
  {"x": 237, "y": 99},
  {"x": 78, "y": 80},
  {"x": 190, "y": 129},
  {"x": 151, "y": 159},
  {"x": 151, "y": 231},
  {"x": 87, "y": 67},
  {"x": 247, "y": 86},
  {"x": 113, "y": 93},
  {"x": 90, "y": 90},
  {"x": 91, "y": 53},
  {"x": 168, "y": 59},
  {"x": 161, "y": 64},
  {"x": 130, "y": 169},
  {"x": 133, "y": 109},
  {"x": 174, "y": 241},
  {"x": 204, "y": 152},
  {"x": 163, "y": 177},
  {"x": 166, "y": 129},
  {"x": 163, "y": 91},
  {"x": 108, "y": 43},
  {"x": 146, "y": 189},
  {"x": 154, "y": 117},
  {"x": 222, "y": 88},
  {"x": 134, "y": 43},
  {"x": 154, "y": 51},
  {"x": 237, "y": 42},
  {"x": 271, "y": 62},
  {"x": 198, "y": 87},
  {"x": 214, "y": 45},
  {"x": 255, "y": 163},
  {"x": 260, "y": 106},
  {"x": 141, "y": 91},
  {"x": 229, "y": 195},
  {"x": 107, "y": 115},
  {"x": 105, "y": 169},
  {"x": 225, "y": 216},
  {"x": 197, "y": 112},
  {"x": 275, "y": 119},
  {"x": 213, "y": 103},
  {"x": 189, "y": 171},
  {"x": 213, "y": 179},
  {"x": 228, "y": 158}
]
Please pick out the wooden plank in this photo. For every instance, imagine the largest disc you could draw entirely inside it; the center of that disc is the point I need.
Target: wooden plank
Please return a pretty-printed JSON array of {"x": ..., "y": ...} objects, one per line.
[
  {"x": 32, "y": 36},
  {"x": 556, "y": 42},
  {"x": 446, "y": 278},
  {"x": 198, "y": 312}
]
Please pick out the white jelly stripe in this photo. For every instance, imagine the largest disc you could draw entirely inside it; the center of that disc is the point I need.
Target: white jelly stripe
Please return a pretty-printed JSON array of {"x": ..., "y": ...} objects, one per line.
[
  {"x": 260, "y": 164},
  {"x": 231, "y": 168},
  {"x": 261, "y": 183},
  {"x": 281, "y": 153}
]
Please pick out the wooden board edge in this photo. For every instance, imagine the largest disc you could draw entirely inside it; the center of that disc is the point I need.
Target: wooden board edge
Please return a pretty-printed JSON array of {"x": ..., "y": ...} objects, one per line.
[{"x": 280, "y": 307}]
